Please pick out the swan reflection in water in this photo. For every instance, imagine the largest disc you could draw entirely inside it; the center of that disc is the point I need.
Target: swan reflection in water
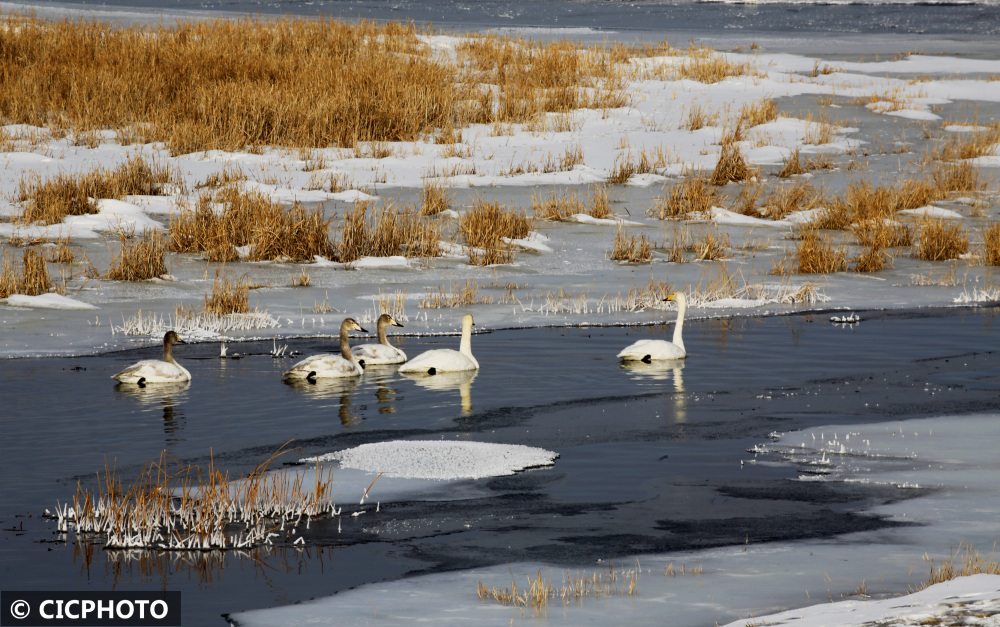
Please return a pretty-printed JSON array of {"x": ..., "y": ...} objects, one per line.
[
  {"x": 169, "y": 396},
  {"x": 447, "y": 381},
  {"x": 382, "y": 376},
  {"x": 339, "y": 388},
  {"x": 662, "y": 370}
]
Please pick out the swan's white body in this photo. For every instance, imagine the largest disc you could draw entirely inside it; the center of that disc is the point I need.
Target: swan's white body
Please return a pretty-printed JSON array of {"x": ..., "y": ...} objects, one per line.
[
  {"x": 446, "y": 359},
  {"x": 383, "y": 353},
  {"x": 653, "y": 350},
  {"x": 330, "y": 365},
  {"x": 166, "y": 370}
]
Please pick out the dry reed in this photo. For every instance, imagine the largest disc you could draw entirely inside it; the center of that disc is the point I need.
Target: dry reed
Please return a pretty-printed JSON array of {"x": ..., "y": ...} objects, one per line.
[
  {"x": 991, "y": 245},
  {"x": 138, "y": 259},
  {"x": 228, "y": 296},
  {"x": 940, "y": 240},
  {"x": 691, "y": 196},
  {"x": 454, "y": 295},
  {"x": 49, "y": 201},
  {"x": 630, "y": 248},
  {"x": 30, "y": 277}
]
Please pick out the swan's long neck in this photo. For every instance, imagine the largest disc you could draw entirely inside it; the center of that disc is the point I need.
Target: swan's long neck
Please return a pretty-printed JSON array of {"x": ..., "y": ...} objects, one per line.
[
  {"x": 382, "y": 339},
  {"x": 679, "y": 326},
  {"x": 466, "y": 345},
  {"x": 168, "y": 353},
  {"x": 345, "y": 346}
]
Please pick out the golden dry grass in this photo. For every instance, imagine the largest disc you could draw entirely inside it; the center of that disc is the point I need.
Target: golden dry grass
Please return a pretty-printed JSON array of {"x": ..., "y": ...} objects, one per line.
[
  {"x": 454, "y": 295},
  {"x": 228, "y": 295},
  {"x": 731, "y": 165},
  {"x": 711, "y": 247},
  {"x": 49, "y": 201},
  {"x": 61, "y": 252},
  {"x": 434, "y": 198},
  {"x": 693, "y": 195},
  {"x": 138, "y": 259},
  {"x": 698, "y": 118},
  {"x": 757, "y": 113},
  {"x": 271, "y": 231},
  {"x": 244, "y": 84},
  {"x": 486, "y": 222},
  {"x": 30, "y": 277},
  {"x": 705, "y": 66},
  {"x": 991, "y": 245},
  {"x": 972, "y": 562},
  {"x": 540, "y": 592},
  {"x": 391, "y": 232},
  {"x": 630, "y": 248},
  {"x": 941, "y": 240},
  {"x": 815, "y": 255}
]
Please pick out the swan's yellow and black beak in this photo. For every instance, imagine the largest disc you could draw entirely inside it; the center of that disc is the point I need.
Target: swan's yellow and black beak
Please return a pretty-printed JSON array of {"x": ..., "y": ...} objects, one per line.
[{"x": 671, "y": 297}]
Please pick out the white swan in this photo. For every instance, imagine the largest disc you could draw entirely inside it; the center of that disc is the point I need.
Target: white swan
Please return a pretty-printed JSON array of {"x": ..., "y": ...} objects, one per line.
[
  {"x": 329, "y": 365},
  {"x": 446, "y": 359},
  {"x": 650, "y": 350},
  {"x": 166, "y": 370},
  {"x": 382, "y": 353}
]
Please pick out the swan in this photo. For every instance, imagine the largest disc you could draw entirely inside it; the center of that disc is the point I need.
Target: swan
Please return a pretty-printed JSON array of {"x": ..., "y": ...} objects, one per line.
[
  {"x": 382, "y": 353},
  {"x": 649, "y": 350},
  {"x": 446, "y": 359},
  {"x": 329, "y": 365},
  {"x": 166, "y": 370}
]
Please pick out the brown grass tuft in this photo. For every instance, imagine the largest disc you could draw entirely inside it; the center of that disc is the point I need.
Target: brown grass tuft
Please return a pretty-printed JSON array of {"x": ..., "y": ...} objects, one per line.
[
  {"x": 434, "y": 198},
  {"x": 690, "y": 196},
  {"x": 51, "y": 200},
  {"x": 630, "y": 248},
  {"x": 815, "y": 255},
  {"x": 33, "y": 278},
  {"x": 271, "y": 231},
  {"x": 392, "y": 232},
  {"x": 487, "y": 222},
  {"x": 941, "y": 240},
  {"x": 972, "y": 563},
  {"x": 138, "y": 259},
  {"x": 228, "y": 296},
  {"x": 760, "y": 112},
  {"x": 991, "y": 245},
  {"x": 454, "y": 295},
  {"x": 731, "y": 166}
]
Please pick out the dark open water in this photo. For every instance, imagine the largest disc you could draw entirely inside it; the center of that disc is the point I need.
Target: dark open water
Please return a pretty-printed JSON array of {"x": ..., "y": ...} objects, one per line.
[
  {"x": 650, "y": 459},
  {"x": 845, "y": 27}
]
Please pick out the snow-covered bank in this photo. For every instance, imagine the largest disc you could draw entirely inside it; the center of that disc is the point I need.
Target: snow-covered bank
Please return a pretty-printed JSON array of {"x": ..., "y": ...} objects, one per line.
[
  {"x": 950, "y": 456},
  {"x": 563, "y": 273}
]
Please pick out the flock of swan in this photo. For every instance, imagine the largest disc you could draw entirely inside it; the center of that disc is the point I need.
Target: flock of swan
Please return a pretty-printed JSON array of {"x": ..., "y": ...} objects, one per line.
[{"x": 351, "y": 362}]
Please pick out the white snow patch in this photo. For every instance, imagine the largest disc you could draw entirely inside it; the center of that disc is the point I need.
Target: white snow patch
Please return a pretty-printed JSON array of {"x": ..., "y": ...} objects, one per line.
[
  {"x": 438, "y": 459},
  {"x": 930, "y": 211},
  {"x": 46, "y": 301}
]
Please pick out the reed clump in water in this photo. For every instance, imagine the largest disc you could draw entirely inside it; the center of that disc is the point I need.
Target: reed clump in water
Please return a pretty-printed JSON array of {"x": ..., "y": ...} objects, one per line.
[
  {"x": 813, "y": 255},
  {"x": 229, "y": 219},
  {"x": 630, "y": 248},
  {"x": 138, "y": 259},
  {"x": 392, "y": 232},
  {"x": 693, "y": 195},
  {"x": 30, "y": 277},
  {"x": 195, "y": 509},
  {"x": 540, "y": 592},
  {"x": 454, "y": 295},
  {"x": 940, "y": 240},
  {"x": 229, "y": 296},
  {"x": 487, "y": 229}
]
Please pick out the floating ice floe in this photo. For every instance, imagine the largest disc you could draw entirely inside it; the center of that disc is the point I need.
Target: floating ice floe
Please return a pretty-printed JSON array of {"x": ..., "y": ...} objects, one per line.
[
  {"x": 46, "y": 301},
  {"x": 439, "y": 459}
]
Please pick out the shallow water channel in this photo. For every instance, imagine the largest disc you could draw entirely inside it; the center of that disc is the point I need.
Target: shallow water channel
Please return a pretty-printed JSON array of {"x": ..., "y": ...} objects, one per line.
[{"x": 650, "y": 458}]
